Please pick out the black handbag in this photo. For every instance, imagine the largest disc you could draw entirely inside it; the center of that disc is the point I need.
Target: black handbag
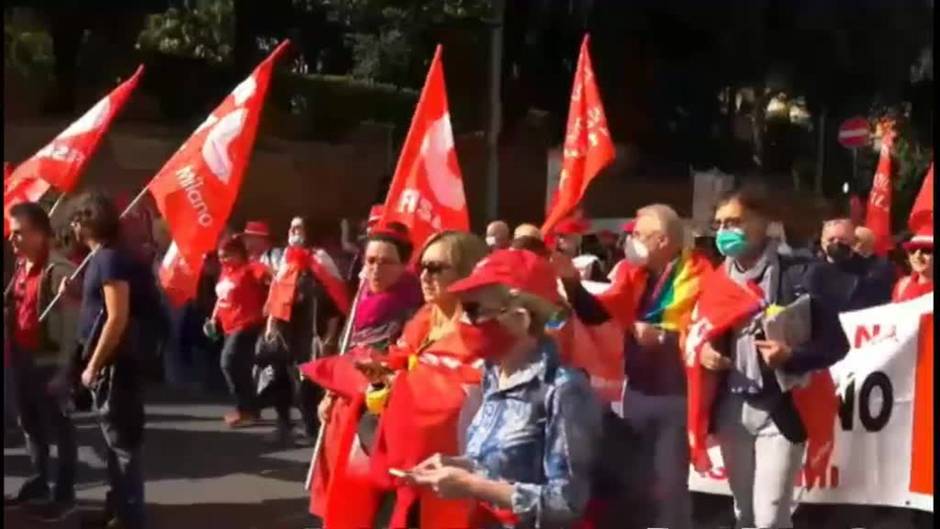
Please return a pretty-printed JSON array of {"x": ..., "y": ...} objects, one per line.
[{"x": 271, "y": 351}]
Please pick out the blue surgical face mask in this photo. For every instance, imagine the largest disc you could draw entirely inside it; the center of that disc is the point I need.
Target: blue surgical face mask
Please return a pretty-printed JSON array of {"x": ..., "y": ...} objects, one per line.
[{"x": 731, "y": 242}]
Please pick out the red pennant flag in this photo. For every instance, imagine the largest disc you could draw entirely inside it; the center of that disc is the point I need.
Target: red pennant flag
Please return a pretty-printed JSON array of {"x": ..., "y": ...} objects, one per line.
[
  {"x": 878, "y": 215},
  {"x": 427, "y": 193},
  {"x": 922, "y": 212},
  {"x": 588, "y": 146},
  {"x": 196, "y": 189},
  {"x": 20, "y": 187},
  {"x": 62, "y": 161}
]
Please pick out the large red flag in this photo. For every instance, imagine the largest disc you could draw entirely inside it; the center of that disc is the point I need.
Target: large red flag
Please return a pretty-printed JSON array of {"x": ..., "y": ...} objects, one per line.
[
  {"x": 196, "y": 189},
  {"x": 878, "y": 214},
  {"x": 427, "y": 193},
  {"x": 62, "y": 161},
  {"x": 922, "y": 212},
  {"x": 588, "y": 147}
]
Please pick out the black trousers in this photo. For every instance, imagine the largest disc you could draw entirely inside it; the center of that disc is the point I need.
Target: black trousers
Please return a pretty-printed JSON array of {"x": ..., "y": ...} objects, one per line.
[{"x": 237, "y": 361}]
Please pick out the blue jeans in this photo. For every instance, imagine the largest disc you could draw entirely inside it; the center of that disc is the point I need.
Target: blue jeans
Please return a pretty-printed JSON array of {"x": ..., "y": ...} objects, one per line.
[
  {"x": 119, "y": 407},
  {"x": 40, "y": 408}
]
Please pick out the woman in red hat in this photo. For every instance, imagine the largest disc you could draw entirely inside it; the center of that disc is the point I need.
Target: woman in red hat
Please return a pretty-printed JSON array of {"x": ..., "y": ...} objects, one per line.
[
  {"x": 531, "y": 447},
  {"x": 920, "y": 257}
]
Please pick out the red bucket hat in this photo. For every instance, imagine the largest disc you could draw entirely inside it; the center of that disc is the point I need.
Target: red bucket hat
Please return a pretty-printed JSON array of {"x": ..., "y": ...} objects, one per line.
[
  {"x": 257, "y": 227},
  {"x": 517, "y": 269}
]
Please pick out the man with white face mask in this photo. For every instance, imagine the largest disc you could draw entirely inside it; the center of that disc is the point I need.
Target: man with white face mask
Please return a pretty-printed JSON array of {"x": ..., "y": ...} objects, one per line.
[{"x": 654, "y": 400}]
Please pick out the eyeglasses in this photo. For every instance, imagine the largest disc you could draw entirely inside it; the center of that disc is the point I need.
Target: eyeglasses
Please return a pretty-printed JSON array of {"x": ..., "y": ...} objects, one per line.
[
  {"x": 433, "y": 268},
  {"x": 476, "y": 314}
]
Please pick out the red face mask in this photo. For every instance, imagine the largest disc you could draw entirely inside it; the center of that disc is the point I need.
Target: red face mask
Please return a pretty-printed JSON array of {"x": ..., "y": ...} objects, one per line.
[{"x": 488, "y": 339}]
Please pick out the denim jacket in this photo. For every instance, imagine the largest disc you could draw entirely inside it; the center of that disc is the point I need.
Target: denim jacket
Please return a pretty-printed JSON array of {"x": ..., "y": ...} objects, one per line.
[{"x": 539, "y": 433}]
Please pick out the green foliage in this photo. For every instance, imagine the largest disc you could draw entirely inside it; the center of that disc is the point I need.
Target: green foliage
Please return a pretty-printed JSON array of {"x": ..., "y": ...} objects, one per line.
[
  {"x": 205, "y": 31},
  {"x": 27, "y": 51}
]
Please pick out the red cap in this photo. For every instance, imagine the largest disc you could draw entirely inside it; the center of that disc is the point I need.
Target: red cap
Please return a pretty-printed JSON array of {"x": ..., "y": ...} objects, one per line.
[
  {"x": 375, "y": 213},
  {"x": 628, "y": 226},
  {"x": 516, "y": 269},
  {"x": 571, "y": 226},
  {"x": 257, "y": 227},
  {"x": 922, "y": 239}
]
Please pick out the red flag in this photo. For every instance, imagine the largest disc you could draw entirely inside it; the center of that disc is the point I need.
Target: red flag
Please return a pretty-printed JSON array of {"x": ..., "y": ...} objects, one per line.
[
  {"x": 20, "y": 187},
  {"x": 588, "y": 147},
  {"x": 179, "y": 280},
  {"x": 922, "y": 212},
  {"x": 427, "y": 193},
  {"x": 62, "y": 161},
  {"x": 878, "y": 216},
  {"x": 721, "y": 305},
  {"x": 196, "y": 189}
]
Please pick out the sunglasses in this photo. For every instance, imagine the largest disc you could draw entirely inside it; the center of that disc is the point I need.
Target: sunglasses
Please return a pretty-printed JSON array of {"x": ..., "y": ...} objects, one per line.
[
  {"x": 476, "y": 314},
  {"x": 433, "y": 267},
  {"x": 922, "y": 251}
]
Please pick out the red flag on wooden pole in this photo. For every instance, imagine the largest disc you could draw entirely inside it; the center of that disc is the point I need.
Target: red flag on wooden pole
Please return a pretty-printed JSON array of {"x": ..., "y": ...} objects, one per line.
[
  {"x": 427, "y": 193},
  {"x": 196, "y": 189},
  {"x": 588, "y": 147},
  {"x": 878, "y": 214}
]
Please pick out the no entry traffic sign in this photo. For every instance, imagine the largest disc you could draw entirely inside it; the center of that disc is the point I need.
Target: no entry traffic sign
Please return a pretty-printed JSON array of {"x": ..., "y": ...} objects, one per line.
[{"x": 854, "y": 133}]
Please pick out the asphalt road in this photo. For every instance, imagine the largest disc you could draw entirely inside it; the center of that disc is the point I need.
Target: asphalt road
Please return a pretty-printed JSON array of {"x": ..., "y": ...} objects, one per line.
[{"x": 199, "y": 473}]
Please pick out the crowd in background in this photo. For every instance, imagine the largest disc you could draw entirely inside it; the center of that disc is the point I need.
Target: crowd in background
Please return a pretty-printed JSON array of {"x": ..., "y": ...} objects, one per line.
[{"x": 455, "y": 406}]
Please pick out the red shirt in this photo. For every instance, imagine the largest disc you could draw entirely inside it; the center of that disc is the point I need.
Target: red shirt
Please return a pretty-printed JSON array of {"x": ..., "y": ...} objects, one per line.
[
  {"x": 909, "y": 288},
  {"x": 26, "y": 302},
  {"x": 241, "y": 295}
]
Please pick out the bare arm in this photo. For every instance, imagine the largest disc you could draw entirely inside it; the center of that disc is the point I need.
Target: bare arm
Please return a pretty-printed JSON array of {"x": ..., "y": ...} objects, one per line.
[{"x": 117, "y": 304}]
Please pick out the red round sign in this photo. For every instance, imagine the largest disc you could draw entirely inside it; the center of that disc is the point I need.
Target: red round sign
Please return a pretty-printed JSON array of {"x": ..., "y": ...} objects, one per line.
[{"x": 854, "y": 133}]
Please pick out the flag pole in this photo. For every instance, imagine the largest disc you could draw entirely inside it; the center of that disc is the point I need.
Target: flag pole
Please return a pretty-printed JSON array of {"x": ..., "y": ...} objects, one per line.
[
  {"x": 343, "y": 346},
  {"x": 88, "y": 257},
  {"x": 55, "y": 206}
]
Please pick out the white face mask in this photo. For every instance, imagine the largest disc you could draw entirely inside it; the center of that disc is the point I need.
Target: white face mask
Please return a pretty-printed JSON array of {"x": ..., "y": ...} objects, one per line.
[
  {"x": 295, "y": 240},
  {"x": 490, "y": 241},
  {"x": 636, "y": 252}
]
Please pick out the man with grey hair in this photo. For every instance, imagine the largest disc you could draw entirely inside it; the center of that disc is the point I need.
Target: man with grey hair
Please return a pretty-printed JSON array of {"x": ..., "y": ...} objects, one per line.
[
  {"x": 497, "y": 235},
  {"x": 654, "y": 397},
  {"x": 868, "y": 280}
]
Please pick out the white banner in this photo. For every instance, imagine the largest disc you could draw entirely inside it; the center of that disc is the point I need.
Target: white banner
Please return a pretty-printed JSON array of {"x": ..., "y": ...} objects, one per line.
[{"x": 871, "y": 461}]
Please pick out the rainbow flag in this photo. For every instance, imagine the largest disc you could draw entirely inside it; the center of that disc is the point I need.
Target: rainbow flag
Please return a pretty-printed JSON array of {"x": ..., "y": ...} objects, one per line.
[{"x": 674, "y": 297}]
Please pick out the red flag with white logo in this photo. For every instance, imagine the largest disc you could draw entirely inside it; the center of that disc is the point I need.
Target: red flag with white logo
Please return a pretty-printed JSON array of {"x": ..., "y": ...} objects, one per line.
[
  {"x": 19, "y": 187},
  {"x": 62, "y": 161},
  {"x": 922, "y": 212},
  {"x": 588, "y": 147},
  {"x": 179, "y": 280},
  {"x": 878, "y": 214},
  {"x": 427, "y": 192},
  {"x": 196, "y": 189}
]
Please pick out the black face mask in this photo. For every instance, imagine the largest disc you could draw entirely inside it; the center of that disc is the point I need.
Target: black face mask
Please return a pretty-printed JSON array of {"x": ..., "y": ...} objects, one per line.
[{"x": 839, "y": 252}]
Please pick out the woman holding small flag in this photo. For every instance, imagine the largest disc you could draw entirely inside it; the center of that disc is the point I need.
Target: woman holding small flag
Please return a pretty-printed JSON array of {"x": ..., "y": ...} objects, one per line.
[{"x": 531, "y": 446}]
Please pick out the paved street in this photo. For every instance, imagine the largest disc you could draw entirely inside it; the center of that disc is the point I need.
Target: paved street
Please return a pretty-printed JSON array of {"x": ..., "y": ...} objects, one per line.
[{"x": 199, "y": 473}]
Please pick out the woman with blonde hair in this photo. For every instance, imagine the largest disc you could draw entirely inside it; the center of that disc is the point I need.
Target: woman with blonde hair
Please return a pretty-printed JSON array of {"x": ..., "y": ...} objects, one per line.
[{"x": 414, "y": 397}]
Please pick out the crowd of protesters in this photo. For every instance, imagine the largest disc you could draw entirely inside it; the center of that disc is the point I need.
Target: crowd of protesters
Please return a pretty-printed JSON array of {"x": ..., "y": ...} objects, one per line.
[{"x": 453, "y": 405}]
